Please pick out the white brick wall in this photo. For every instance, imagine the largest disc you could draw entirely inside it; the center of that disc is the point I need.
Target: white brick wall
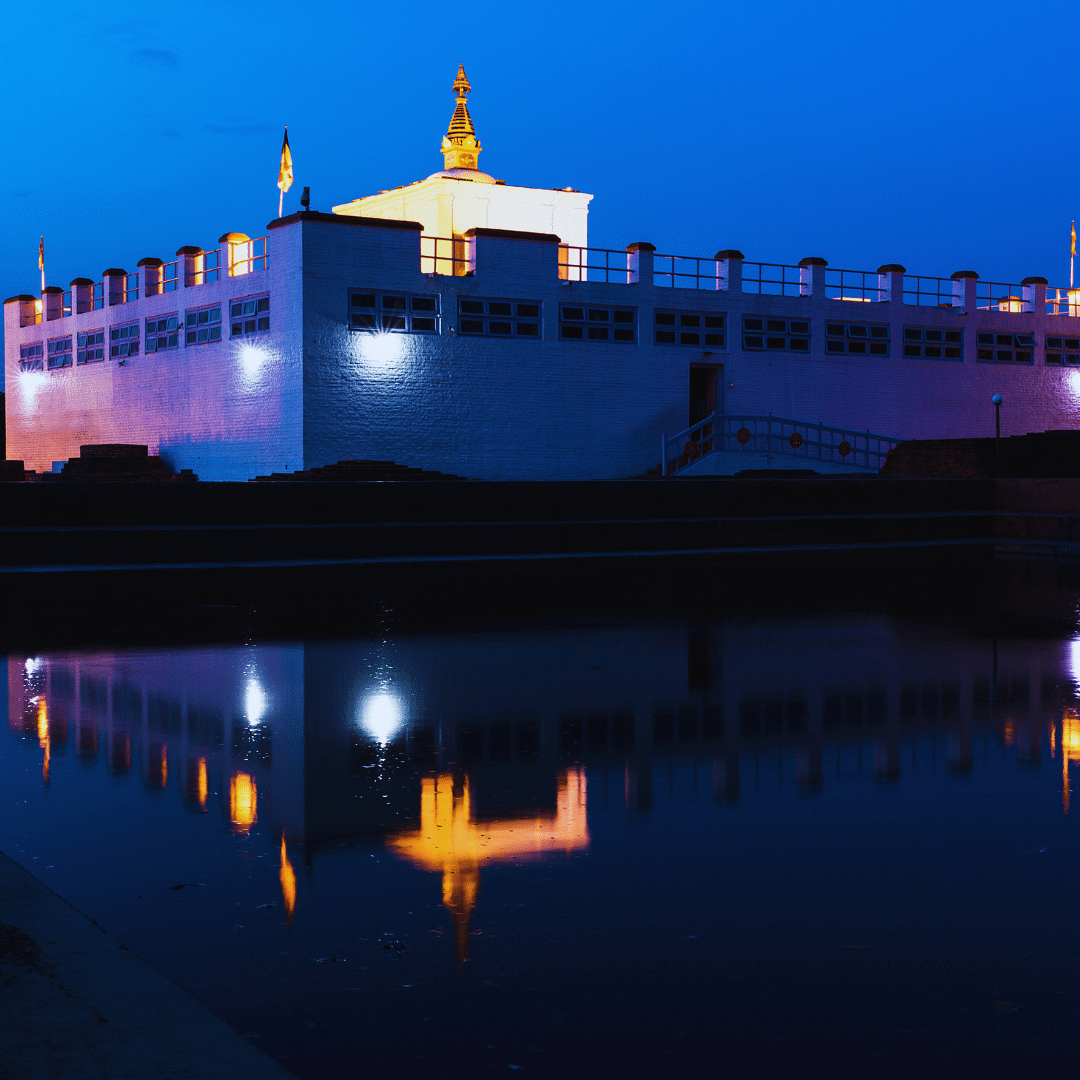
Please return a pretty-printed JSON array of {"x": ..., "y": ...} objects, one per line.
[{"x": 488, "y": 408}]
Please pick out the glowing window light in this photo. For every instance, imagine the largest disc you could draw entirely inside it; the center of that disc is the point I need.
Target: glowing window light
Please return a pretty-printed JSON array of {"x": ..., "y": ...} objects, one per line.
[
  {"x": 243, "y": 801},
  {"x": 255, "y": 702},
  {"x": 381, "y": 715}
]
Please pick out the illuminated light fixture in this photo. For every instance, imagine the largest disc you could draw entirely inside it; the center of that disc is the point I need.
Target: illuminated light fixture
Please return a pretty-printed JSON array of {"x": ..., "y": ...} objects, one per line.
[
  {"x": 255, "y": 702},
  {"x": 1074, "y": 301},
  {"x": 252, "y": 359},
  {"x": 37, "y": 308},
  {"x": 1011, "y": 303},
  {"x": 381, "y": 715},
  {"x": 31, "y": 382},
  {"x": 382, "y": 350}
]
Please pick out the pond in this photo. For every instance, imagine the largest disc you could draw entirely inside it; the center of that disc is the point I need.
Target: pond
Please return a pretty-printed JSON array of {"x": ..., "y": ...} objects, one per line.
[{"x": 755, "y": 844}]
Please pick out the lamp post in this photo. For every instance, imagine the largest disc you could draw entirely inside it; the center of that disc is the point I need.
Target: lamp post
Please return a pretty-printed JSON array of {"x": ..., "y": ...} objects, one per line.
[{"x": 996, "y": 399}]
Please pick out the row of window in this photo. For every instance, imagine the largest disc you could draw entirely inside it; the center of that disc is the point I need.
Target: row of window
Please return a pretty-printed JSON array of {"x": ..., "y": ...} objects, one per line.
[{"x": 200, "y": 326}]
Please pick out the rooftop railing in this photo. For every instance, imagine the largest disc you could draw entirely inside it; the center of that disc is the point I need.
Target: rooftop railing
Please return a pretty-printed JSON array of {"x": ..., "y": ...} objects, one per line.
[
  {"x": 1000, "y": 296},
  {"x": 931, "y": 292},
  {"x": 687, "y": 272},
  {"x": 773, "y": 279},
  {"x": 248, "y": 256},
  {"x": 90, "y": 297},
  {"x": 1063, "y": 302},
  {"x": 445, "y": 255},
  {"x": 210, "y": 268},
  {"x": 593, "y": 264},
  {"x": 858, "y": 285}
]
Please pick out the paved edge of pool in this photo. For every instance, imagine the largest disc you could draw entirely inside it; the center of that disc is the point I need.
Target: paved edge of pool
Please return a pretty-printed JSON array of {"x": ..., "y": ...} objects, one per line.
[{"x": 77, "y": 1004}]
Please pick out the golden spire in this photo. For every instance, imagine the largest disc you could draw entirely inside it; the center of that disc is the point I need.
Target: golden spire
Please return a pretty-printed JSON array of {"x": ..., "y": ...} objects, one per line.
[{"x": 460, "y": 147}]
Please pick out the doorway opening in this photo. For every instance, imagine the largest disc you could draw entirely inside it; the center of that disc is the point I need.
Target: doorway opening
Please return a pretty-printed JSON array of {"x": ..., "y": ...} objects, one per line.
[{"x": 706, "y": 390}]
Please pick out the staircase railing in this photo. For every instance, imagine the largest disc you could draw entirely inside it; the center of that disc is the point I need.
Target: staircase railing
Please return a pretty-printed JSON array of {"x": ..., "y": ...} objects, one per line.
[{"x": 777, "y": 436}]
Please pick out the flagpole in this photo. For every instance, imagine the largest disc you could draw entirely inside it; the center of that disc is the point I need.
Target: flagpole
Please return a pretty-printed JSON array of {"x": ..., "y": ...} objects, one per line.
[
  {"x": 281, "y": 203},
  {"x": 1072, "y": 254}
]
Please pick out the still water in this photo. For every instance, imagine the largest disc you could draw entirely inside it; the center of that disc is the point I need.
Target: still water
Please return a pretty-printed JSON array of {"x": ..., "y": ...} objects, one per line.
[{"x": 778, "y": 846}]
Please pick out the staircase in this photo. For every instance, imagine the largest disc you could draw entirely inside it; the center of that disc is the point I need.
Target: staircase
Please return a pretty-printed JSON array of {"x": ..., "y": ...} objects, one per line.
[{"x": 799, "y": 443}]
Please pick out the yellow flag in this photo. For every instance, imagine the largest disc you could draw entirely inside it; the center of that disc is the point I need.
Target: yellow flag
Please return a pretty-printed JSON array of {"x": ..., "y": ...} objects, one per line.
[
  {"x": 285, "y": 173},
  {"x": 1073, "y": 252},
  {"x": 41, "y": 252}
]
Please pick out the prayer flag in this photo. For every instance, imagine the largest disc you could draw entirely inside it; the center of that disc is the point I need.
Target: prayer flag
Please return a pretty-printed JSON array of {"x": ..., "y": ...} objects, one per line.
[{"x": 285, "y": 170}]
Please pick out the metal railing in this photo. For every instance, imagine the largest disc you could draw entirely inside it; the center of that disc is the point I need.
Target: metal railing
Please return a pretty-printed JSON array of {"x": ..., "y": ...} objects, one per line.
[
  {"x": 857, "y": 285},
  {"x": 593, "y": 264},
  {"x": 211, "y": 268},
  {"x": 1000, "y": 296},
  {"x": 445, "y": 255},
  {"x": 773, "y": 279},
  {"x": 793, "y": 440},
  {"x": 131, "y": 288},
  {"x": 931, "y": 292},
  {"x": 33, "y": 316},
  {"x": 93, "y": 299},
  {"x": 1063, "y": 302},
  {"x": 248, "y": 256},
  {"x": 687, "y": 272}
]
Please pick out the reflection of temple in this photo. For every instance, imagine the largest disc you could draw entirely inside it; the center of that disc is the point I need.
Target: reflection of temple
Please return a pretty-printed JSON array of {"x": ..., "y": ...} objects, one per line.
[
  {"x": 452, "y": 841},
  {"x": 316, "y": 744}
]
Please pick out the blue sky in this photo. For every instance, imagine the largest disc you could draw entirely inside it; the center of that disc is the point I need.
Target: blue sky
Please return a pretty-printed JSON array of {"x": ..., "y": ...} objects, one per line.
[{"x": 935, "y": 135}]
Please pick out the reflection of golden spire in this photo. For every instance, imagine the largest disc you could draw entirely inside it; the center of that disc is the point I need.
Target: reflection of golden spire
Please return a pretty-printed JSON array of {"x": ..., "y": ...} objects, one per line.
[
  {"x": 287, "y": 877},
  {"x": 243, "y": 801},
  {"x": 460, "y": 147},
  {"x": 1070, "y": 751},
  {"x": 43, "y": 736},
  {"x": 450, "y": 840}
]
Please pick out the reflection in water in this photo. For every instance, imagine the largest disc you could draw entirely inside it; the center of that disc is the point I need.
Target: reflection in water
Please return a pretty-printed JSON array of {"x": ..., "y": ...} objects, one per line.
[
  {"x": 43, "y": 737},
  {"x": 287, "y": 877},
  {"x": 243, "y": 797},
  {"x": 382, "y": 715},
  {"x": 255, "y": 702},
  {"x": 450, "y": 840},
  {"x": 1070, "y": 750},
  {"x": 724, "y": 760}
]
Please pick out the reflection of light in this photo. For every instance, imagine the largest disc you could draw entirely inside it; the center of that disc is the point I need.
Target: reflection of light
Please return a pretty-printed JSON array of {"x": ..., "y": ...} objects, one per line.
[
  {"x": 251, "y": 358},
  {"x": 33, "y": 664},
  {"x": 243, "y": 798},
  {"x": 200, "y": 782},
  {"x": 1010, "y": 733},
  {"x": 1070, "y": 750},
  {"x": 288, "y": 882},
  {"x": 43, "y": 736},
  {"x": 381, "y": 716},
  {"x": 254, "y": 702},
  {"x": 450, "y": 840}
]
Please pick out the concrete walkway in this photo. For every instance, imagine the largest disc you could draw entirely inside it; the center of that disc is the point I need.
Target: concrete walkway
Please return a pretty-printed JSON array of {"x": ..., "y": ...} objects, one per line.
[{"x": 74, "y": 1003}]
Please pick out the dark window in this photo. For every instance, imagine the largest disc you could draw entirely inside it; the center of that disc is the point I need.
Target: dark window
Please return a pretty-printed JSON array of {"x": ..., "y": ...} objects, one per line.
[
  {"x": 201, "y": 326},
  {"x": 783, "y": 335},
  {"x": 162, "y": 333},
  {"x": 393, "y": 313},
  {"x": 250, "y": 316},
  {"x": 1062, "y": 350},
  {"x": 124, "y": 341},
  {"x": 931, "y": 344},
  {"x": 598, "y": 324},
  {"x": 512, "y": 318},
  {"x": 995, "y": 348},
  {"x": 858, "y": 339},
  {"x": 30, "y": 357},
  {"x": 91, "y": 347},
  {"x": 60, "y": 352},
  {"x": 699, "y": 329}
]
